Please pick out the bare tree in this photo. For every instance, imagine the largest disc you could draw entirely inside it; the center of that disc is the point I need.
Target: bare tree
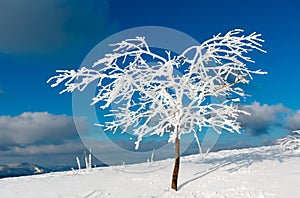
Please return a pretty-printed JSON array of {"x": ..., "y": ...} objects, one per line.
[
  {"x": 172, "y": 91},
  {"x": 290, "y": 142}
]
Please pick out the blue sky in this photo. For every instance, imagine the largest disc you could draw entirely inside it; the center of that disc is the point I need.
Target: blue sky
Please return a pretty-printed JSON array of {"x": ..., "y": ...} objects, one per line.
[{"x": 38, "y": 37}]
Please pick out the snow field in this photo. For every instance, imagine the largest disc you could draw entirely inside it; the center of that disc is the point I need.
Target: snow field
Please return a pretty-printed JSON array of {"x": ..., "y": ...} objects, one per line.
[{"x": 255, "y": 172}]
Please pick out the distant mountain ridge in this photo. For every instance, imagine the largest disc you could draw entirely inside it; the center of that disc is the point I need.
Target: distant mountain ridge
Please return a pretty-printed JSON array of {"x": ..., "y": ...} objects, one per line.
[{"x": 22, "y": 169}]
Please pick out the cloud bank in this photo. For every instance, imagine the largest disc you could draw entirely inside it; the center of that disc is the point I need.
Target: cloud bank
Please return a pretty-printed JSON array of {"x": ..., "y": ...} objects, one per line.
[
  {"x": 262, "y": 118},
  {"x": 35, "y": 26},
  {"x": 39, "y": 133}
]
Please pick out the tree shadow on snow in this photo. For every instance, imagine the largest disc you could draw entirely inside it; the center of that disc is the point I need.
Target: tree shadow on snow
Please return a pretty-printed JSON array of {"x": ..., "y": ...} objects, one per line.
[{"x": 234, "y": 162}]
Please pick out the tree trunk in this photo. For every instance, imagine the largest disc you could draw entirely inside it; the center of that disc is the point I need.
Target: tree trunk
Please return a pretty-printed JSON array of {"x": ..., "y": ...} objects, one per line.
[{"x": 176, "y": 165}]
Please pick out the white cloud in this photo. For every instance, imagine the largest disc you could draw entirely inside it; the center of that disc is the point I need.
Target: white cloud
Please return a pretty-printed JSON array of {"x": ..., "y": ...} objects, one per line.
[
  {"x": 37, "y": 26},
  {"x": 41, "y": 134},
  {"x": 38, "y": 128},
  {"x": 68, "y": 147},
  {"x": 293, "y": 121},
  {"x": 262, "y": 117}
]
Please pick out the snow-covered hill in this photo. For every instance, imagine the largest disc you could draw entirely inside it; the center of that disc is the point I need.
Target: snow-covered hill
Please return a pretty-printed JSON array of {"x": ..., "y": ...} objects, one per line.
[{"x": 255, "y": 172}]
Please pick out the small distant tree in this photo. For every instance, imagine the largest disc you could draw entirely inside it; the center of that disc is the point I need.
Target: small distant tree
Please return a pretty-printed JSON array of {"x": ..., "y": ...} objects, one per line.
[
  {"x": 172, "y": 91},
  {"x": 290, "y": 142}
]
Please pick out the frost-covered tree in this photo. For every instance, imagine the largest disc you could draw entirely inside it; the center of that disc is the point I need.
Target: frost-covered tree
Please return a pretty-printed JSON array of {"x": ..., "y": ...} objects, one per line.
[
  {"x": 162, "y": 93},
  {"x": 290, "y": 142}
]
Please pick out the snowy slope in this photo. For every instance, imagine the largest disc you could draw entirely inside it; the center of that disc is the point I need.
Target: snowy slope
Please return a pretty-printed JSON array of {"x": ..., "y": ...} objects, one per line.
[{"x": 255, "y": 172}]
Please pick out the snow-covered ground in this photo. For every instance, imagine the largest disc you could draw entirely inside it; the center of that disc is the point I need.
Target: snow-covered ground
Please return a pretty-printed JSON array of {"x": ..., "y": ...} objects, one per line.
[{"x": 255, "y": 172}]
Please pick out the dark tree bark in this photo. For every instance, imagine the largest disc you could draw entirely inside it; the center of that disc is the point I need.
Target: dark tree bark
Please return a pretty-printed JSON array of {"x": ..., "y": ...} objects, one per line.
[{"x": 176, "y": 165}]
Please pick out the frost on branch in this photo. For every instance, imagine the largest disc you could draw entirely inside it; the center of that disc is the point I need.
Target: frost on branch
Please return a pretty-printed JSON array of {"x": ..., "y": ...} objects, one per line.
[
  {"x": 161, "y": 93},
  {"x": 290, "y": 143}
]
